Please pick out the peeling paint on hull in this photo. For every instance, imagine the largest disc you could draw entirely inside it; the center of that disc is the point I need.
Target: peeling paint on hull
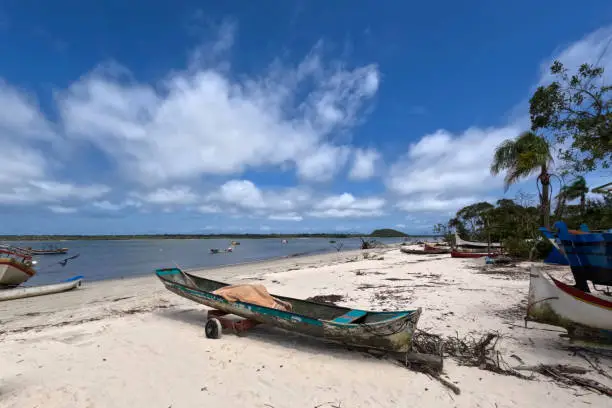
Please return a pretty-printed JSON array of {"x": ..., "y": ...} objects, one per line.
[
  {"x": 392, "y": 331},
  {"x": 584, "y": 321}
]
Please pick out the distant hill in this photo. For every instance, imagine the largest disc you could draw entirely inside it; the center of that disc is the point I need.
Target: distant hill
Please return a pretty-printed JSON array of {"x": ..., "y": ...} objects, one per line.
[{"x": 387, "y": 233}]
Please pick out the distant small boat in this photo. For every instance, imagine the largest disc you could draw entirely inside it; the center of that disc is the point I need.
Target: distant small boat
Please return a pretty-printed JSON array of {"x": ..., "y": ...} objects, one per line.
[
  {"x": 15, "y": 266},
  {"x": 218, "y": 251},
  {"x": 24, "y": 292},
  {"x": 49, "y": 251},
  {"x": 461, "y": 254},
  {"x": 284, "y": 241},
  {"x": 585, "y": 316},
  {"x": 235, "y": 243}
]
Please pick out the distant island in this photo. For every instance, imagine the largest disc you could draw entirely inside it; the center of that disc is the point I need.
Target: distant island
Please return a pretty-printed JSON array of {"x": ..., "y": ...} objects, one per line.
[
  {"x": 387, "y": 233},
  {"x": 379, "y": 233}
]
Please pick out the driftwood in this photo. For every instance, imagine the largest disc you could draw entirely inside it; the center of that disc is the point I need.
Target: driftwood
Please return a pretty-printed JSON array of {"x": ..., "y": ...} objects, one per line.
[{"x": 566, "y": 375}]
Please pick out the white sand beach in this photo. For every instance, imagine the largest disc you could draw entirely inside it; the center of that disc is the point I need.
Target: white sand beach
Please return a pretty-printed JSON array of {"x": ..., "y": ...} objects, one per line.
[{"x": 131, "y": 343}]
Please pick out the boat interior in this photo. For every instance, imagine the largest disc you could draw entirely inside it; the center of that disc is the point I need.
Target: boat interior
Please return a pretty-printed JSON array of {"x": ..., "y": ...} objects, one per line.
[{"x": 313, "y": 310}]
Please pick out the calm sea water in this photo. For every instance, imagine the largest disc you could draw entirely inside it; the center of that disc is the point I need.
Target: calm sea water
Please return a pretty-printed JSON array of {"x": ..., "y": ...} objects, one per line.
[{"x": 100, "y": 260}]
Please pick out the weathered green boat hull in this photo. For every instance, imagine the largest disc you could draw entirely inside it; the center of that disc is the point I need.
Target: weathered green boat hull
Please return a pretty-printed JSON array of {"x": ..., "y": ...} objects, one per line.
[{"x": 390, "y": 331}]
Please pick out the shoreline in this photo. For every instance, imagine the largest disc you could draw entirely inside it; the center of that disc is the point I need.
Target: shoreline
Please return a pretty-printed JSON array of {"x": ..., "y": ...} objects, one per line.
[{"x": 131, "y": 342}]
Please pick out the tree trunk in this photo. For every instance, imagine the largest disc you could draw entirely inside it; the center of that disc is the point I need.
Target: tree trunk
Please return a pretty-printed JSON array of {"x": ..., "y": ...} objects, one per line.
[
  {"x": 545, "y": 198},
  {"x": 582, "y": 204}
]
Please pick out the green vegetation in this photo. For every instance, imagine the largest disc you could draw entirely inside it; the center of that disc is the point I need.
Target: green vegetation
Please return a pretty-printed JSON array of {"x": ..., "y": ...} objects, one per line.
[
  {"x": 387, "y": 233},
  {"x": 576, "y": 108},
  {"x": 572, "y": 115},
  {"x": 521, "y": 157}
]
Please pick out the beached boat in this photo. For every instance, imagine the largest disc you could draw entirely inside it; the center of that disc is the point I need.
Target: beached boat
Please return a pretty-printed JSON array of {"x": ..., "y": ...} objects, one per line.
[
  {"x": 24, "y": 292},
  {"x": 585, "y": 316},
  {"x": 377, "y": 330},
  {"x": 464, "y": 254},
  {"x": 427, "y": 250},
  {"x": 462, "y": 243},
  {"x": 16, "y": 266},
  {"x": 589, "y": 253}
]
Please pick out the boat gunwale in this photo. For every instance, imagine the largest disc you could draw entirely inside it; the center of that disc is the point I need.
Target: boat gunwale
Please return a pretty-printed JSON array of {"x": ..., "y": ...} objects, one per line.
[
  {"x": 399, "y": 315},
  {"x": 22, "y": 267}
]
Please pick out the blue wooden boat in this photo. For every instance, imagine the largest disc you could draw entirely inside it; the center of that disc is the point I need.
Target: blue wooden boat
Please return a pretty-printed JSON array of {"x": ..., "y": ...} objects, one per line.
[
  {"x": 589, "y": 253},
  {"x": 390, "y": 331}
]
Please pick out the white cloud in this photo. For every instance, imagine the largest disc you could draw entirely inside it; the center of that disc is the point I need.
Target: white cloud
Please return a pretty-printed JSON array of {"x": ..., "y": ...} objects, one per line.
[
  {"x": 445, "y": 171},
  {"x": 38, "y": 191},
  {"x": 594, "y": 48},
  {"x": 110, "y": 206},
  {"x": 346, "y": 205},
  {"x": 437, "y": 203},
  {"x": 402, "y": 226},
  {"x": 292, "y": 216},
  {"x": 168, "y": 196},
  {"x": 364, "y": 164},
  {"x": 323, "y": 163},
  {"x": 59, "y": 209},
  {"x": 288, "y": 204},
  {"x": 451, "y": 164},
  {"x": 21, "y": 125},
  {"x": 202, "y": 121}
]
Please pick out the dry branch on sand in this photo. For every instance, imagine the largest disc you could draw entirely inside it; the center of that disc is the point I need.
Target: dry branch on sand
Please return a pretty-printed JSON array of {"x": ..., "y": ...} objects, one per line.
[{"x": 481, "y": 352}]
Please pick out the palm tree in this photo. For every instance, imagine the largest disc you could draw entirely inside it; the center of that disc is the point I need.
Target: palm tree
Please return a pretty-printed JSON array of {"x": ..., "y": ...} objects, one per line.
[
  {"x": 577, "y": 189},
  {"x": 561, "y": 200},
  {"x": 522, "y": 157}
]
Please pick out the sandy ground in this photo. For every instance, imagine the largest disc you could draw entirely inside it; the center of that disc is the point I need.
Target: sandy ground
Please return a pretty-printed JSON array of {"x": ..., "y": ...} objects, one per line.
[{"x": 131, "y": 343}]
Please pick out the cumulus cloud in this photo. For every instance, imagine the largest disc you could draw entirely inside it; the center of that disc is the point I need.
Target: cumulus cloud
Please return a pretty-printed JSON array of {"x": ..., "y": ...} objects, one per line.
[
  {"x": 450, "y": 164},
  {"x": 346, "y": 205},
  {"x": 39, "y": 191},
  {"x": 445, "y": 171},
  {"x": 59, "y": 209},
  {"x": 288, "y": 204},
  {"x": 593, "y": 48},
  {"x": 166, "y": 196},
  {"x": 204, "y": 121},
  {"x": 364, "y": 164}
]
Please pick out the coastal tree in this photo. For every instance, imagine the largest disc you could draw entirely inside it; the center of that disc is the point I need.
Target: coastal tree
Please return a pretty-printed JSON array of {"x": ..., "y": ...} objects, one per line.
[
  {"x": 577, "y": 110},
  {"x": 521, "y": 157},
  {"x": 577, "y": 189}
]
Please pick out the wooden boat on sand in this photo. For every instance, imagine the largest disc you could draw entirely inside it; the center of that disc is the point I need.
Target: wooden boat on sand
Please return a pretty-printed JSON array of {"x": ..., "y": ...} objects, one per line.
[
  {"x": 427, "y": 250},
  {"x": 585, "y": 316},
  {"x": 25, "y": 292},
  {"x": 474, "y": 244},
  {"x": 15, "y": 266},
  {"x": 463, "y": 254},
  {"x": 391, "y": 331},
  {"x": 589, "y": 253}
]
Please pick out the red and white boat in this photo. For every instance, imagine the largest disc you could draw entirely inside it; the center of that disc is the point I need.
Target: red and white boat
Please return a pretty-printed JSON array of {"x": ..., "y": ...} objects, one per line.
[
  {"x": 585, "y": 316},
  {"x": 15, "y": 266}
]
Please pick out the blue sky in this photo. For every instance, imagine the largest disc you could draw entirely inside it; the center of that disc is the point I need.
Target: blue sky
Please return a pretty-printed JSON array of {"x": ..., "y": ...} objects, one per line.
[{"x": 279, "y": 116}]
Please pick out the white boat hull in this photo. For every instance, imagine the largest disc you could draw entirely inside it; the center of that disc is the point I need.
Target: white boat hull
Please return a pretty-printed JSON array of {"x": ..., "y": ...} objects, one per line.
[
  {"x": 19, "y": 293},
  {"x": 584, "y": 315},
  {"x": 10, "y": 275},
  {"x": 462, "y": 243}
]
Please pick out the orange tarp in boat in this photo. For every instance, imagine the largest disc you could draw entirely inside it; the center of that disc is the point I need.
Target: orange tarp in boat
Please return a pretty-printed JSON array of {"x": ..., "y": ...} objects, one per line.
[{"x": 255, "y": 294}]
